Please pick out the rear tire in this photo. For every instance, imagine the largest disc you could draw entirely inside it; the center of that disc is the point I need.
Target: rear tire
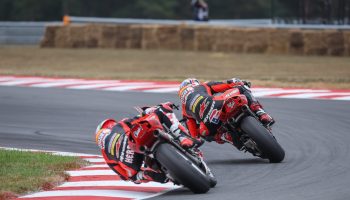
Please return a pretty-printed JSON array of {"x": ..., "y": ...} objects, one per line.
[
  {"x": 263, "y": 138},
  {"x": 182, "y": 169}
]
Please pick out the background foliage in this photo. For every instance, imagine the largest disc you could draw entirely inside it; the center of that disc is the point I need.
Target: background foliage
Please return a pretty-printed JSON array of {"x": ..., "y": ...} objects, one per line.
[{"x": 305, "y": 10}]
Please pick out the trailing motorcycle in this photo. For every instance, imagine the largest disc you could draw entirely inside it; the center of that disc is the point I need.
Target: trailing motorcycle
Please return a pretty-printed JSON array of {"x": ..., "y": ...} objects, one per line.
[{"x": 182, "y": 166}]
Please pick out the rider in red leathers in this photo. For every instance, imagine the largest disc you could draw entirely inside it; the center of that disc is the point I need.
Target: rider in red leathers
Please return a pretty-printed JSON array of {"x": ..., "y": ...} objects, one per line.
[
  {"x": 202, "y": 112},
  {"x": 113, "y": 139}
]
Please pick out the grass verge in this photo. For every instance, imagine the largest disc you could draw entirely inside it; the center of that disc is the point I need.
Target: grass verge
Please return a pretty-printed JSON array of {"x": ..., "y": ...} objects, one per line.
[
  {"x": 22, "y": 172},
  {"x": 263, "y": 70}
]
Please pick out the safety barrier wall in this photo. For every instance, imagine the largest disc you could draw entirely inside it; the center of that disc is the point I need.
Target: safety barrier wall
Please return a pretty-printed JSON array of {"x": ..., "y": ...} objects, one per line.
[{"x": 200, "y": 38}]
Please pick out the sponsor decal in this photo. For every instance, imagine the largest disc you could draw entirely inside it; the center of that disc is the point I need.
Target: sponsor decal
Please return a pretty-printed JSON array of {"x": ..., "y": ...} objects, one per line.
[
  {"x": 102, "y": 136},
  {"x": 193, "y": 100},
  {"x": 196, "y": 102},
  {"x": 124, "y": 145},
  {"x": 113, "y": 143},
  {"x": 234, "y": 91},
  {"x": 129, "y": 158},
  {"x": 136, "y": 133},
  {"x": 202, "y": 108},
  {"x": 211, "y": 109},
  {"x": 184, "y": 94},
  {"x": 231, "y": 104},
  {"x": 214, "y": 116}
]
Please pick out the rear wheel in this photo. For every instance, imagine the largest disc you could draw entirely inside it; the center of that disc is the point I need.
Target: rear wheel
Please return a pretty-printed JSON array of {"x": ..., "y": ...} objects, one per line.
[
  {"x": 182, "y": 169},
  {"x": 266, "y": 143}
]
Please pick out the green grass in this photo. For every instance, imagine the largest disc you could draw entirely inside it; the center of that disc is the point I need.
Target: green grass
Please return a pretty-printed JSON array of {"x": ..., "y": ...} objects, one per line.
[
  {"x": 260, "y": 69},
  {"x": 22, "y": 172}
]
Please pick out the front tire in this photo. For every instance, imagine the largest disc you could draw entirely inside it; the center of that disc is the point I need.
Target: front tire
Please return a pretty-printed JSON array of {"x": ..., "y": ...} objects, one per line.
[
  {"x": 182, "y": 169},
  {"x": 266, "y": 143}
]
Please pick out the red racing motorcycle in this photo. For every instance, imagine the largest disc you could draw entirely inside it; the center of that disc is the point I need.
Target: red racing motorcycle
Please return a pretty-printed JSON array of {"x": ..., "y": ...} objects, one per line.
[
  {"x": 182, "y": 166},
  {"x": 246, "y": 129}
]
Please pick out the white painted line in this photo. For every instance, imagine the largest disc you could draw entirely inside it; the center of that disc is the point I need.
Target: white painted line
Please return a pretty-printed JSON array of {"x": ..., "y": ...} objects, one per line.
[
  {"x": 19, "y": 82},
  {"x": 100, "y": 193},
  {"x": 129, "y": 87},
  {"x": 116, "y": 183},
  {"x": 346, "y": 98},
  {"x": 91, "y": 172},
  {"x": 52, "y": 152},
  {"x": 313, "y": 95},
  {"x": 96, "y": 166},
  {"x": 271, "y": 92},
  {"x": 92, "y": 86},
  {"x": 162, "y": 90},
  {"x": 94, "y": 160}
]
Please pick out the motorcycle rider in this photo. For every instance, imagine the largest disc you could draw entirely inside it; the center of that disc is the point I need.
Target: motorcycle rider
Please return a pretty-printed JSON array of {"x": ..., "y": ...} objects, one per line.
[
  {"x": 202, "y": 112},
  {"x": 112, "y": 138}
]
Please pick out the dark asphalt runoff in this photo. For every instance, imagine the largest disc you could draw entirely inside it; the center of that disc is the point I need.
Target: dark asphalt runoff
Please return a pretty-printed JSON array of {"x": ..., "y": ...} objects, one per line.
[{"x": 314, "y": 133}]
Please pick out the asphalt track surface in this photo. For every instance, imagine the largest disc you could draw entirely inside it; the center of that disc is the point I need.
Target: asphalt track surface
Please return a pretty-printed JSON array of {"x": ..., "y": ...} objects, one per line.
[{"x": 314, "y": 133}]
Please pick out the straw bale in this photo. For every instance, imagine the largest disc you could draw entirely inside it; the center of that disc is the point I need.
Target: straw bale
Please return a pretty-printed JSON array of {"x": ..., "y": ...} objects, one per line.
[
  {"x": 135, "y": 37},
  {"x": 347, "y": 42},
  {"x": 149, "y": 38},
  {"x": 77, "y": 36},
  {"x": 107, "y": 38},
  {"x": 296, "y": 42},
  {"x": 122, "y": 36},
  {"x": 335, "y": 42},
  {"x": 256, "y": 40},
  {"x": 49, "y": 36},
  {"x": 168, "y": 37},
  {"x": 223, "y": 40},
  {"x": 92, "y": 35},
  {"x": 62, "y": 37},
  {"x": 187, "y": 34},
  {"x": 315, "y": 43},
  {"x": 278, "y": 41},
  {"x": 205, "y": 38}
]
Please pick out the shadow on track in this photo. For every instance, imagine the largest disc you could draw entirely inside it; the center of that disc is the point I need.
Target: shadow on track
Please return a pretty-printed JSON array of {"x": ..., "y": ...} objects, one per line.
[{"x": 238, "y": 161}]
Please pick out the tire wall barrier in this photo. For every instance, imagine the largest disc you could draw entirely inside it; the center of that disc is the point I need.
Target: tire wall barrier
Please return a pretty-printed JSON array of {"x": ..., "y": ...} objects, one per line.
[{"x": 200, "y": 38}]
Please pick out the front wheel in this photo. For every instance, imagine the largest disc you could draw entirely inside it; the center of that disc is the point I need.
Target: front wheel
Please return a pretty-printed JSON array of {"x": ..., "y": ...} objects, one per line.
[
  {"x": 182, "y": 169},
  {"x": 264, "y": 140}
]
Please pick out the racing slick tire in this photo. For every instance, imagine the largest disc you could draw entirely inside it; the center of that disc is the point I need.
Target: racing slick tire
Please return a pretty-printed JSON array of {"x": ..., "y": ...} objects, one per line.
[
  {"x": 182, "y": 169},
  {"x": 265, "y": 141}
]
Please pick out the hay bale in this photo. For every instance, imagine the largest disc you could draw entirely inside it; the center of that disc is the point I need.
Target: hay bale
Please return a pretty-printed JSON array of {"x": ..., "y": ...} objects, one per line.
[
  {"x": 135, "y": 37},
  {"x": 62, "y": 37},
  {"x": 278, "y": 41},
  {"x": 92, "y": 35},
  {"x": 77, "y": 36},
  {"x": 205, "y": 38},
  {"x": 347, "y": 42},
  {"x": 122, "y": 36},
  {"x": 223, "y": 40},
  {"x": 49, "y": 36},
  {"x": 149, "y": 39},
  {"x": 107, "y": 38},
  {"x": 335, "y": 42},
  {"x": 296, "y": 42},
  {"x": 315, "y": 42},
  {"x": 168, "y": 37},
  {"x": 256, "y": 40},
  {"x": 237, "y": 39},
  {"x": 187, "y": 37}
]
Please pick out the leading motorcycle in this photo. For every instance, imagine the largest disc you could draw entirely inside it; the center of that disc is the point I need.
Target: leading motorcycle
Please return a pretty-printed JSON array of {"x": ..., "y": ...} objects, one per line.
[{"x": 245, "y": 128}]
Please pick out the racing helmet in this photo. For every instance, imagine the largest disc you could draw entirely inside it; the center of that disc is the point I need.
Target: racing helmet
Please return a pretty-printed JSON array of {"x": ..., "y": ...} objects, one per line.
[
  {"x": 102, "y": 130},
  {"x": 188, "y": 82}
]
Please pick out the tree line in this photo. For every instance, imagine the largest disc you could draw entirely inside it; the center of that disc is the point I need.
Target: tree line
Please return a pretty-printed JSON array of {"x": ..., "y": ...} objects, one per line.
[{"x": 306, "y": 11}]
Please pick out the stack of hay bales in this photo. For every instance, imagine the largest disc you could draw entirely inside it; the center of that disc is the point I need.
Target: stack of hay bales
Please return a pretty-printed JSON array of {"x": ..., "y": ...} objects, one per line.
[{"x": 200, "y": 38}]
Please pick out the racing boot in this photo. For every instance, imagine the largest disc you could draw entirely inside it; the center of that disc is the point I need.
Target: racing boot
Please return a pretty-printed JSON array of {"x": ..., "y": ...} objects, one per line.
[
  {"x": 265, "y": 118},
  {"x": 221, "y": 138},
  {"x": 184, "y": 140}
]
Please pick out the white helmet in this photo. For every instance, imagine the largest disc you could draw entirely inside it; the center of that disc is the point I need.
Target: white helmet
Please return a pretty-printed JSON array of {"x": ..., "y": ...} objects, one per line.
[{"x": 189, "y": 81}]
